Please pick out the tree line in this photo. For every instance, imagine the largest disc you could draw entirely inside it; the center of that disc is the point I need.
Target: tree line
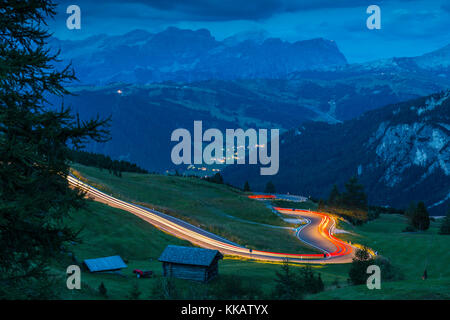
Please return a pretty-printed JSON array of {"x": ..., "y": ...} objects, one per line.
[
  {"x": 351, "y": 203},
  {"x": 417, "y": 217},
  {"x": 101, "y": 161}
]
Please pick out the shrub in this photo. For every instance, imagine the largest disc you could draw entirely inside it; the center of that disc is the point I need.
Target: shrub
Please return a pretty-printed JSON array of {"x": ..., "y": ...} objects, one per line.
[
  {"x": 293, "y": 285},
  {"x": 445, "y": 226},
  {"x": 373, "y": 214},
  {"x": 165, "y": 289},
  {"x": 336, "y": 283},
  {"x": 228, "y": 287},
  {"x": 135, "y": 293},
  {"x": 287, "y": 284},
  {"x": 409, "y": 229},
  {"x": 388, "y": 271},
  {"x": 270, "y": 187},
  {"x": 358, "y": 269},
  {"x": 102, "y": 290},
  {"x": 216, "y": 178}
]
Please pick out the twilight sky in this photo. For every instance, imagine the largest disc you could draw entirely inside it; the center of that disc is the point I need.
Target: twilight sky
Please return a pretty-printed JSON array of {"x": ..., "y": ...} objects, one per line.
[{"x": 408, "y": 27}]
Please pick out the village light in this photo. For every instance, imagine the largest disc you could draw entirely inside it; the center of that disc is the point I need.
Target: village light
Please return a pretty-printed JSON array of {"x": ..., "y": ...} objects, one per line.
[{"x": 183, "y": 150}]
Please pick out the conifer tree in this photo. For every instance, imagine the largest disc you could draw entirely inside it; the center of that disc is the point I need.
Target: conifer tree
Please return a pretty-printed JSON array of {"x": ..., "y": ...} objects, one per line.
[
  {"x": 270, "y": 187},
  {"x": 334, "y": 197},
  {"x": 287, "y": 283},
  {"x": 34, "y": 137},
  {"x": 354, "y": 195},
  {"x": 421, "y": 219}
]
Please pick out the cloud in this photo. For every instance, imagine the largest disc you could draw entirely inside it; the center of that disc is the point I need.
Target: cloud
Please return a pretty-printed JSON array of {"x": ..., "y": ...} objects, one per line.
[
  {"x": 405, "y": 23},
  {"x": 220, "y": 10},
  {"x": 195, "y": 10},
  {"x": 446, "y": 7},
  {"x": 226, "y": 10}
]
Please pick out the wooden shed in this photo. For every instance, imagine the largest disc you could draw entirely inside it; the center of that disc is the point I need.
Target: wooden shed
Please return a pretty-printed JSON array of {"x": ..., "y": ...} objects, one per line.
[
  {"x": 190, "y": 263},
  {"x": 106, "y": 264}
]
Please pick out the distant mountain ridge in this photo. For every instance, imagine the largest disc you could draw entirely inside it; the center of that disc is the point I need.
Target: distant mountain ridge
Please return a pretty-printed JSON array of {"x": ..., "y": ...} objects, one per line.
[
  {"x": 183, "y": 55},
  {"x": 432, "y": 65},
  {"x": 400, "y": 152},
  {"x": 186, "y": 55}
]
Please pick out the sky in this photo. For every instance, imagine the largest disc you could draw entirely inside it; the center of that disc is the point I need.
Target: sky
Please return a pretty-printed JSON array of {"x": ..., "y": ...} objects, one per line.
[{"x": 408, "y": 27}]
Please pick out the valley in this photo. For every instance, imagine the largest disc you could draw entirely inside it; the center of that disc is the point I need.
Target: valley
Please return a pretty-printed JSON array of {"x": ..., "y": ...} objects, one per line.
[{"x": 400, "y": 153}]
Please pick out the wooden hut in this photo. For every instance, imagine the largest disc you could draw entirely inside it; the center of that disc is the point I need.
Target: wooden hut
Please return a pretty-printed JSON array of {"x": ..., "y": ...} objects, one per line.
[
  {"x": 106, "y": 264},
  {"x": 190, "y": 263}
]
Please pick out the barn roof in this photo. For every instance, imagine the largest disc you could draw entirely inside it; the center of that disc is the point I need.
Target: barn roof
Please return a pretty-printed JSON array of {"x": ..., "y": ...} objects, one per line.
[
  {"x": 105, "y": 264},
  {"x": 189, "y": 255}
]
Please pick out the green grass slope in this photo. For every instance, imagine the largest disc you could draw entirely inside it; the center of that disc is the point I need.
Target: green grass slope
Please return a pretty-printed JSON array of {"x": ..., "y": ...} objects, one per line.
[
  {"x": 410, "y": 253},
  {"x": 109, "y": 231},
  {"x": 217, "y": 208}
]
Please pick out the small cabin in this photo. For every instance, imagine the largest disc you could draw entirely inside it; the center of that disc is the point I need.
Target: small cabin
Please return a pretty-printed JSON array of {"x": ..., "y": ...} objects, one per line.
[
  {"x": 190, "y": 263},
  {"x": 106, "y": 264}
]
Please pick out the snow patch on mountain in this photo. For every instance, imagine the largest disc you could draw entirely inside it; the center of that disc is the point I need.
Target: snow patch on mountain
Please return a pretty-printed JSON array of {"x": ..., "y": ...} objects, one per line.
[
  {"x": 441, "y": 201},
  {"x": 431, "y": 103}
]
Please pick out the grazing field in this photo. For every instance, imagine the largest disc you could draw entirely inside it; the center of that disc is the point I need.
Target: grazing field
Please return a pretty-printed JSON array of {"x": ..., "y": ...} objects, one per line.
[
  {"x": 410, "y": 253},
  {"x": 109, "y": 231},
  {"x": 220, "y": 209}
]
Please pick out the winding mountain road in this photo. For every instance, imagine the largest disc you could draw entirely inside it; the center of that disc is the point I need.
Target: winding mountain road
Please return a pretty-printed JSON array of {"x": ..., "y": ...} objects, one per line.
[{"x": 318, "y": 233}]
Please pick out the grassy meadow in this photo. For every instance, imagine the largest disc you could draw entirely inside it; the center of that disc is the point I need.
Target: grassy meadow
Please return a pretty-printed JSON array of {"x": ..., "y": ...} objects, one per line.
[
  {"x": 220, "y": 209},
  {"x": 109, "y": 231}
]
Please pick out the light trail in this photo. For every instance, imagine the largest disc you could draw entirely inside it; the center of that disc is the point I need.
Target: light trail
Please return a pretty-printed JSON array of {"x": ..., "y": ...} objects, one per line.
[
  {"x": 200, "y": 237},
  {"x": 262, "y": 196}
]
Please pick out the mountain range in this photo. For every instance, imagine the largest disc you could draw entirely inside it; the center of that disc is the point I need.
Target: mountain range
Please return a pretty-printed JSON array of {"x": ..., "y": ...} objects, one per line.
[
  {"x": 174, "y": 54},
  {"x": 183, "y": 55}
]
